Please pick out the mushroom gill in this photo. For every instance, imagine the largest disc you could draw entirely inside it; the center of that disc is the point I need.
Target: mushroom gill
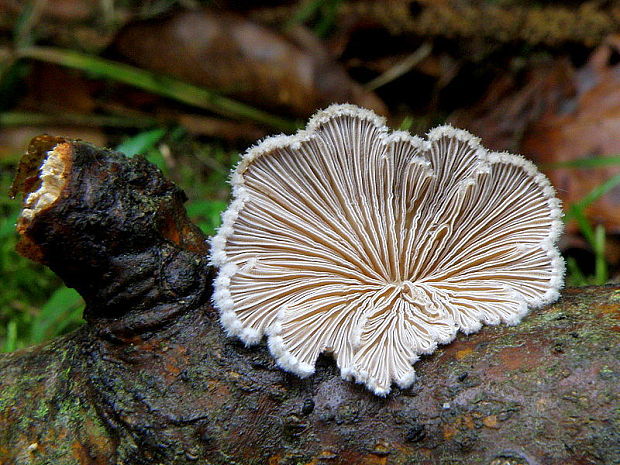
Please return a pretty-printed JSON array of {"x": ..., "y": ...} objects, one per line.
[{"x": 375, "y": 246}]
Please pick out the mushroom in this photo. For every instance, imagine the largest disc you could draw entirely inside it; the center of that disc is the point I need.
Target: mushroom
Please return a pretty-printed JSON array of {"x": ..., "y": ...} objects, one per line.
[{"x": 376, "y": 246}]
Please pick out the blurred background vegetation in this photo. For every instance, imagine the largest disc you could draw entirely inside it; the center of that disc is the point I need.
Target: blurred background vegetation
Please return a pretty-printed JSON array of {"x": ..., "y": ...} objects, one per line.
[{"x": 191, "y": 84}]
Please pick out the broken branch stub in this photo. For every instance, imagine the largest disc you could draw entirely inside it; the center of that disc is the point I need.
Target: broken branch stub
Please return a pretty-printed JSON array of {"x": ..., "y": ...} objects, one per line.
[{"x": 89, "y": 212}]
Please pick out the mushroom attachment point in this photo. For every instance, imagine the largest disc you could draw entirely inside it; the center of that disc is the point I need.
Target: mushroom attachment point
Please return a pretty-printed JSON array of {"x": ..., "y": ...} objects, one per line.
[{"x": 376, "y": 246}]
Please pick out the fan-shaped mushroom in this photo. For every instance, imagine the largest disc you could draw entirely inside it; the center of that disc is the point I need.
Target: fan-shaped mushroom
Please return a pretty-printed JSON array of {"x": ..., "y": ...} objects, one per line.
[{"x": 376, "y": 246}]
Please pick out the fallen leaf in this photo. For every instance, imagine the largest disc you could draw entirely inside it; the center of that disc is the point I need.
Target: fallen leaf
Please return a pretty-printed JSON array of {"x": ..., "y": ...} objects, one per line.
[
  {"x": 242, "y": 59},
  {"x": 52, "y": 88},
  {"x": 554, "y": 113},
  {"x": 515, "y": 100},
  {"x": 586, "y": 126}
]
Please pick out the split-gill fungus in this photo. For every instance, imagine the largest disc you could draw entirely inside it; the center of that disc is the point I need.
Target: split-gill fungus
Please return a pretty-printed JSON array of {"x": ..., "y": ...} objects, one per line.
[{"x": 376, "y": 246}]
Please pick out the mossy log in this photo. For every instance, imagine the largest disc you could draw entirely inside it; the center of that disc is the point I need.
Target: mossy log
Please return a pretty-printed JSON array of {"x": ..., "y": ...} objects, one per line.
[{"x": 151, "y": 378}]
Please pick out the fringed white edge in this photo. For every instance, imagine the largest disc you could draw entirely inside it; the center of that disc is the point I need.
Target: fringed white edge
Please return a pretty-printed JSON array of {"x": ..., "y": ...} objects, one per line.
[{"x": 222, "y": 298}]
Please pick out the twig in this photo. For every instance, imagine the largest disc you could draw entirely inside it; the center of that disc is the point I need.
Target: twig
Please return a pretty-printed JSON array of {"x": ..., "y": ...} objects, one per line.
[{"x": 400, "y": 68}]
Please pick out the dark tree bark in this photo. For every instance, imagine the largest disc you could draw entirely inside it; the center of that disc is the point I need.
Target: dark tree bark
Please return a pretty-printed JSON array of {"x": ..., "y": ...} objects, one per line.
[{"x": 152, "y": 379}]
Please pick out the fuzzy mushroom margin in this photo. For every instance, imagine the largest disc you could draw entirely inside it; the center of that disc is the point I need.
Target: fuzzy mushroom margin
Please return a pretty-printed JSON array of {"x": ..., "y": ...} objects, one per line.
[{"x": 376, "y": 246}]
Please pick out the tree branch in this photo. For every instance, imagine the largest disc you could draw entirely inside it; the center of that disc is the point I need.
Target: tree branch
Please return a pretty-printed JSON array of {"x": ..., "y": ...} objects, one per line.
[{"x": 151, "y": 378}]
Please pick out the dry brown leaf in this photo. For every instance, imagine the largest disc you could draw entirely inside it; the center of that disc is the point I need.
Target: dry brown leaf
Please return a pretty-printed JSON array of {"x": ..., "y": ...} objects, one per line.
[
  {"x": 52, "y": 88},
  {"x": 559, "y": 114},
  {"x": 511, "y": 104},
  {"x": 588, "y": 127},
  {"x": 226, "y": 52}
]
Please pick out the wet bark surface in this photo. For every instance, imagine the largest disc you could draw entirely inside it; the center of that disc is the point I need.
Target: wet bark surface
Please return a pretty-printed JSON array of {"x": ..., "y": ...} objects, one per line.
[{"x": 151, "y": 378}]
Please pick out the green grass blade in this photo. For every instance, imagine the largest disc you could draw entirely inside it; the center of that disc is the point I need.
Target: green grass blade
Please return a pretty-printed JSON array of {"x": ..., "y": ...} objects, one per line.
[
  {"x": 328, "y": 18},
  {"x": 60, "y": 308},
  {"x": 596, "y": 239},
  {"x": 601, "y": 272},
  {"x": 593, "y": 196},
  {"x": 24, "y": 26},
  {"x": 158, "y": 84},
  {"x": 10, "y": 341},
  {"x": 207, "y": 214},
  {"x": 598, "y": 162},
  {"x": 7, "y": 225},
  {"x": 575, "y": 276},
  {"x": 304, "y": 12},
  {"x": 141, "y": 143},
  {"x": 584, "y": 225},
  {"x": 12, "y": 76},
  {"x": 406, "y": 123}
]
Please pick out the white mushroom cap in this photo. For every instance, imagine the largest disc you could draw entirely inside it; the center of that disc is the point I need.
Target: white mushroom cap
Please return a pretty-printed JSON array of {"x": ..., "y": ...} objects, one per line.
[{"x": 377, "y": 246}]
